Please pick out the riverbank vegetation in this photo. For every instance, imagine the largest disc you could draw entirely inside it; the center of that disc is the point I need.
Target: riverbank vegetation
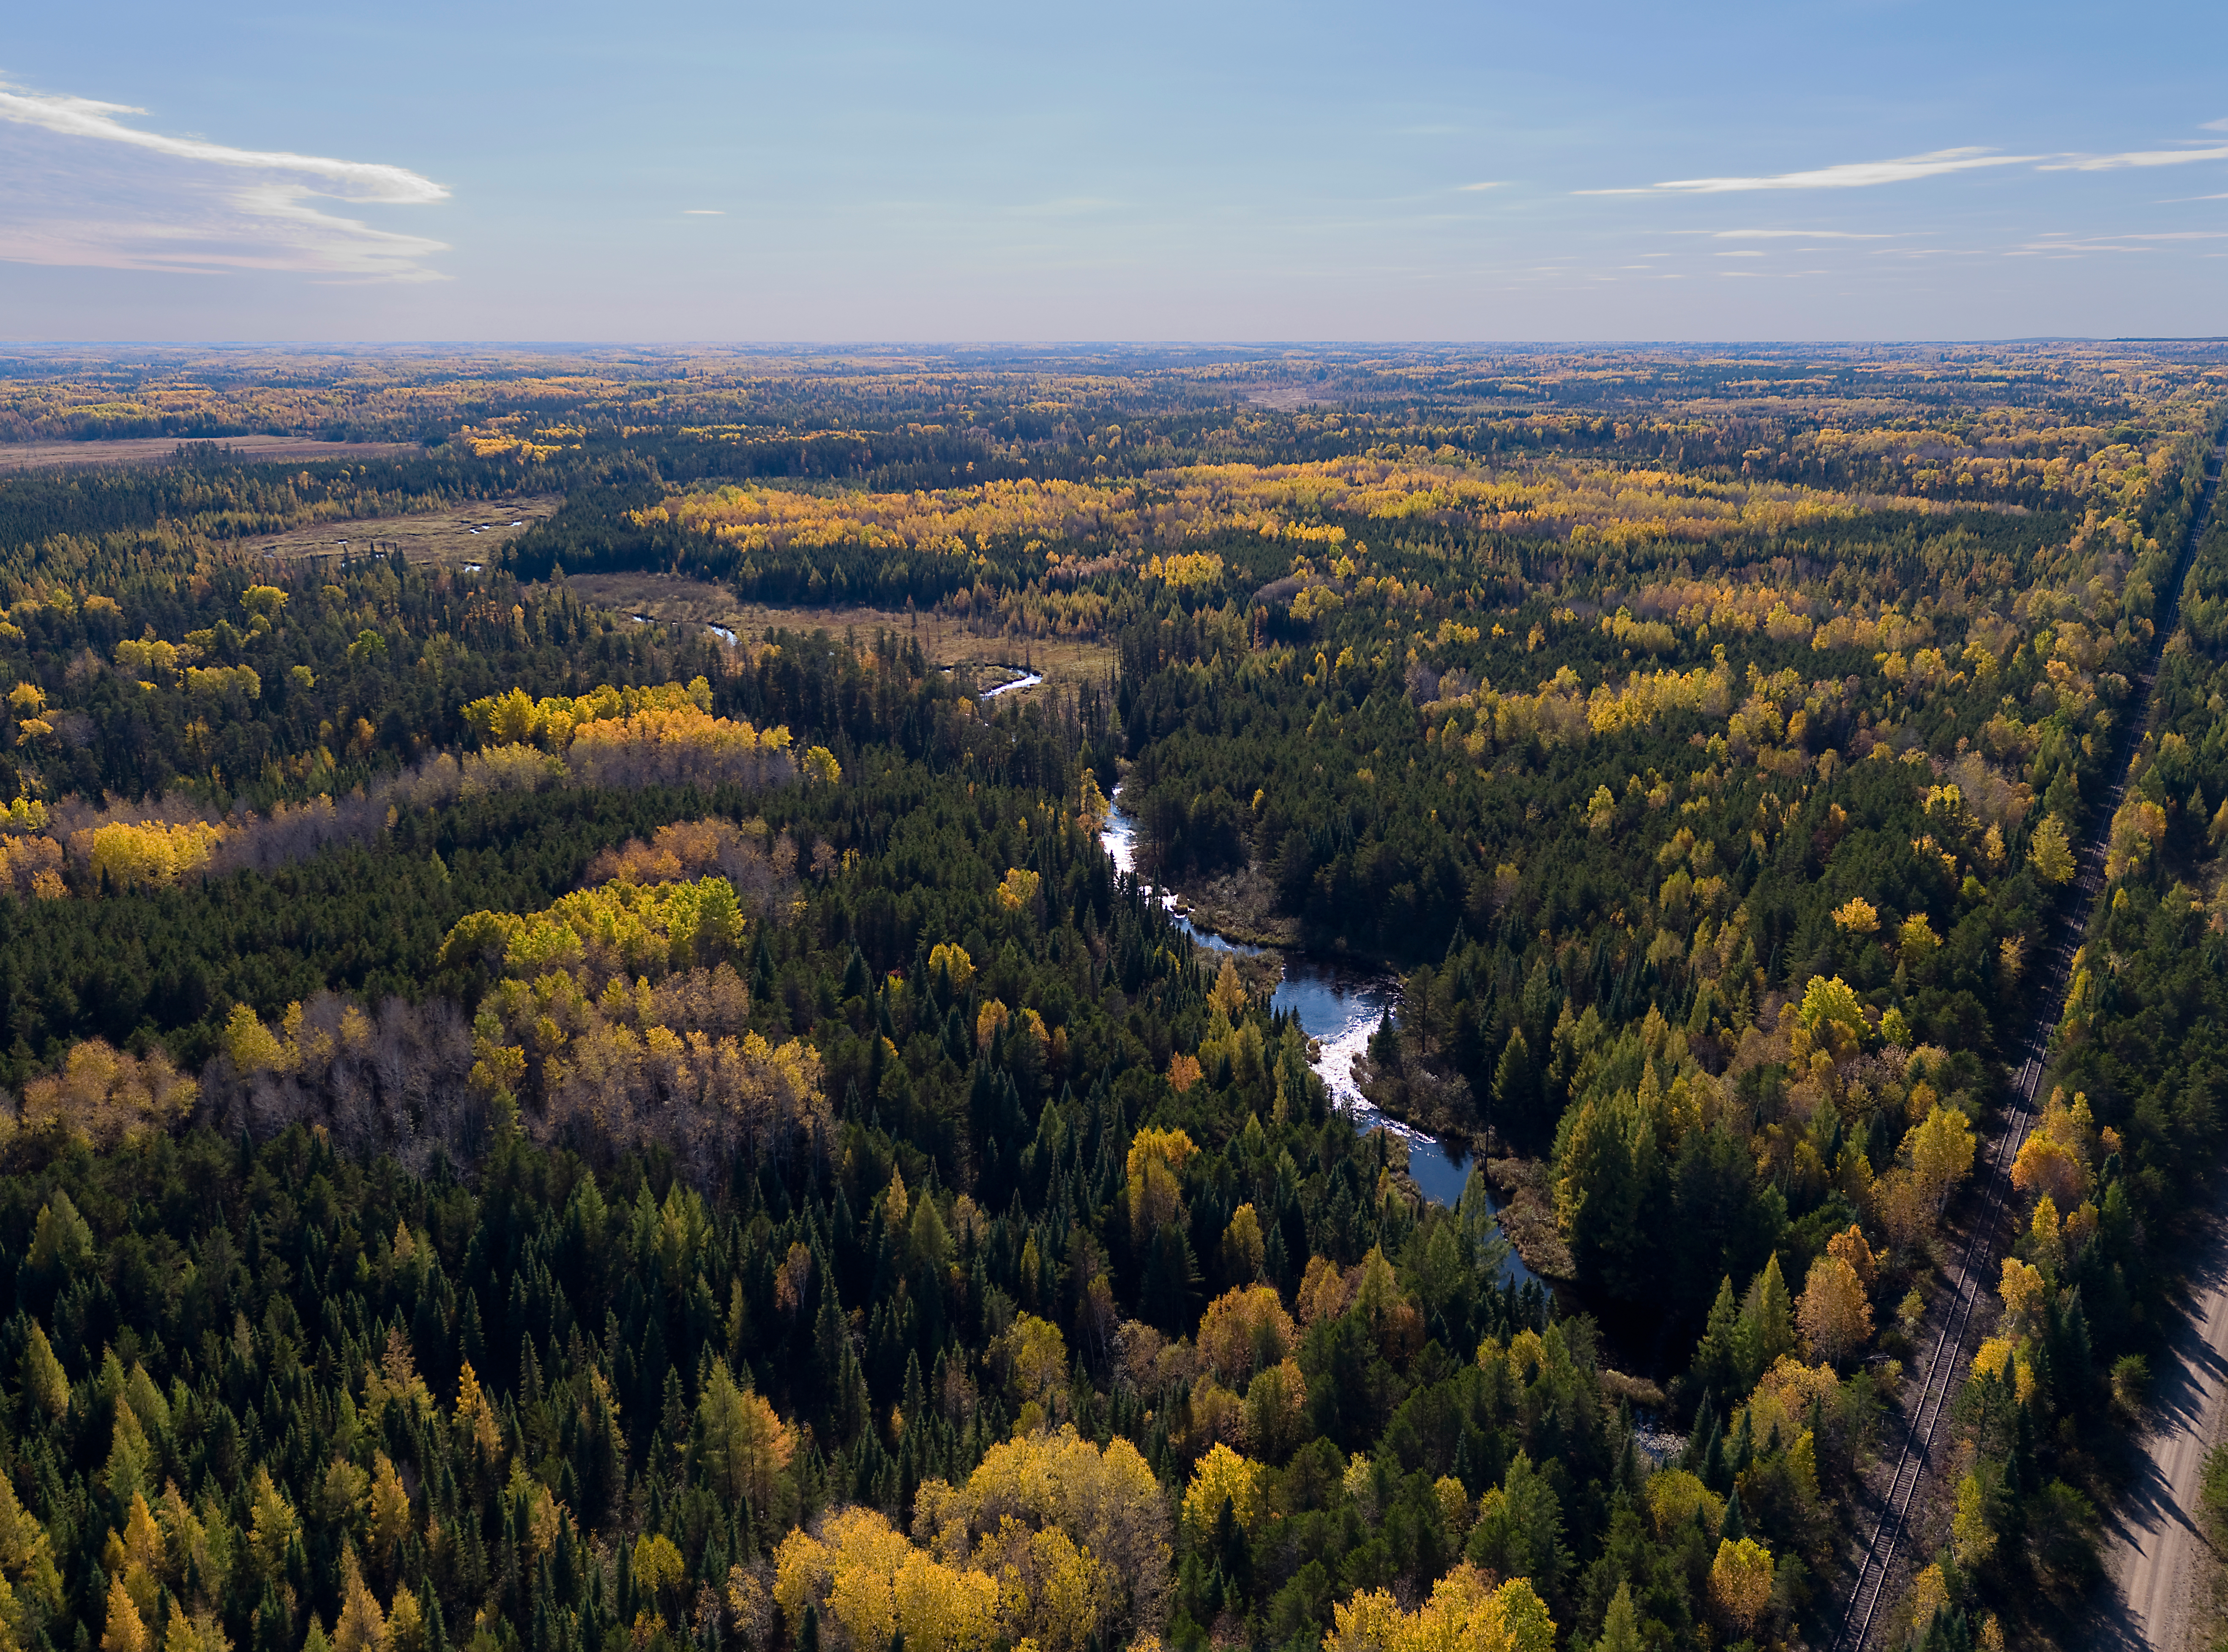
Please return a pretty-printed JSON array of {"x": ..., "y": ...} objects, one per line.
[{"x": 533, "y": 1128}]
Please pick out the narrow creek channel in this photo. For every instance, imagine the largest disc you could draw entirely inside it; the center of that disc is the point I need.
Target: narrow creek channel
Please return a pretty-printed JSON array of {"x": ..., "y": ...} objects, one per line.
[{"x": 1338, "y": 1006}]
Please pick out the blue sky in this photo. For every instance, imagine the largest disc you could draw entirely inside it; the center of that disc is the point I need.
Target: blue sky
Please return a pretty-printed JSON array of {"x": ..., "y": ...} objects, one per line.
[{"x": 563, "y": 171}]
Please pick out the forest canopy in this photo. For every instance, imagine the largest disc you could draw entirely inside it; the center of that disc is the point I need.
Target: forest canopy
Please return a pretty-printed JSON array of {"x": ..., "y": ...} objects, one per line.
[{"x": 534, "y": 1124}]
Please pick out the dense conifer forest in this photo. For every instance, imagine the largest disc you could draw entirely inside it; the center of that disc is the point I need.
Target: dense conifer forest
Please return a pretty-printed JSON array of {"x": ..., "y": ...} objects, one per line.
[{"x": 527, "y": 1129}]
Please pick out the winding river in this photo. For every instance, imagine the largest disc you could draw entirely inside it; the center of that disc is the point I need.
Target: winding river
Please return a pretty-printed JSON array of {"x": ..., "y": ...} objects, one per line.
[{"x": 1338, "y": 1007}]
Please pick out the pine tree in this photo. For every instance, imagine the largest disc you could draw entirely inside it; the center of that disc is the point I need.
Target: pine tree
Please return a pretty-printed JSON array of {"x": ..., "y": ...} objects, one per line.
[
  {"x": 1716, "y": 1358},
  {"x": 1515, "y": 1090},
  {"x": 1620, "y": 1623},
  {"x": 1767, "y": 1324}
]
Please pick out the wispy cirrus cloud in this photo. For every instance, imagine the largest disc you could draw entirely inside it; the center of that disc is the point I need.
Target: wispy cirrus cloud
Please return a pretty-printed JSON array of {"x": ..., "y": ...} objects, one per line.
[
  {"x": 79, "y": 187},
  {"x": 1865, "y": 175},
  {"x": 2064, "y": 244},
  {"x": 2134, "y": 157},
  {"x": 1797, "y": 234},
  {"x": 1851, "y": 174}
]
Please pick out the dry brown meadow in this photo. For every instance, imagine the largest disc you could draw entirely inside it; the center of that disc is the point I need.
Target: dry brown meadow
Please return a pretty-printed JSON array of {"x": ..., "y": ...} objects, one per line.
[
  {"x": 443, "y": 537},
  {"x": 158, "y": 450}
]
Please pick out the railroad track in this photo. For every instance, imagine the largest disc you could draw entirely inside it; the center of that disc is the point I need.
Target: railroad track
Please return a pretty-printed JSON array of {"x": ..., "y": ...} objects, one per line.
[{"x": 1983, "y": 1243}]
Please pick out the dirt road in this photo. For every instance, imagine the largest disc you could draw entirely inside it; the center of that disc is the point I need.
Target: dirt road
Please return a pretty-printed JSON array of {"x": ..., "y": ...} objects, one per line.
[{"x": 2156, "y": 1555}]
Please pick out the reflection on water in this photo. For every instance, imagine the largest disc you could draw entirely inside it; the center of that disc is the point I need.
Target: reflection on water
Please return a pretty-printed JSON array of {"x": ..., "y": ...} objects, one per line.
[{"x": 1338, "y": 1007}]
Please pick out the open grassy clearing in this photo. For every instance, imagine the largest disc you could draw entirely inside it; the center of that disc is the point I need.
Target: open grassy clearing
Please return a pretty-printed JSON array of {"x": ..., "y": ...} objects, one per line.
[
  {"x": 158, "y": 450},
  {"x": 444, "y": 536},
  {"x": 667, "y": 599}
]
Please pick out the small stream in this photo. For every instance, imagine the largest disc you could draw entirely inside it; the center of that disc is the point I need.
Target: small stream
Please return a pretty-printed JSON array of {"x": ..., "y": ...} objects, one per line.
[{"x": 1338, "y": 1006}]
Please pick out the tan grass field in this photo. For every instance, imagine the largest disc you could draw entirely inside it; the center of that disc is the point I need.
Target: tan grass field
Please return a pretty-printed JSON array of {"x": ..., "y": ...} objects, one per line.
[
  {"x": 443, "y": 537},
  {"x": 667, "y": 599},
  {"x": 156, "y": 450}
]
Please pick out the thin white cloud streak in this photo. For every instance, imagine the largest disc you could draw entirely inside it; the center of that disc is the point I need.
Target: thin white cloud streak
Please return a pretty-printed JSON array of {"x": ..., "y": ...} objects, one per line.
[
  {"x": 2134, "y": 157},
  {"x": 1851, "y": 174},
  {"x": 79, "y": 187},
  {"x": 1795, "y": 235},
  {"x": 1864, "y": 175},
  {"x": 2066, "y": 244},
  {"x": 1472, "y": 188}
]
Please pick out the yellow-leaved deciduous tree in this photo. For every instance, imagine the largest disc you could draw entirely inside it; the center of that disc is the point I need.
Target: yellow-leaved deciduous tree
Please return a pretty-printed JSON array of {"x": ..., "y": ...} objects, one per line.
[
  {"x": 1901, "y": 1205},
  {"x": 390, "y": 1510},
  {"x": 1996, "y": 1355},
  {"x": 1033, "y": 1356},
  {"x": 395, "y": 1380},
  {"x": 1601, "y": 810},
  {"x": 1830, "y": 999},
  {"x": 2136, "y": 825},
  {"x": 199, "y": 1632},
  {"x": 122, "y": 1630},
  {"x": 150, "y": 853},
  {"x": 1856, "y": 916},
  {"x": 194, "y": 1543},
  {"x": 45, "y": 1383},
  {"x": 1740, "y": 1583},
  {"x": 2047, "y": 1166},
  {"x": 1050, "y": 1589},
  {"x": 251, "y": 1047},
  {"x": 2050, "y": 851},
  {"x": 1465, "y": 1613},
  {"x": 1455, "y": 1509},
  {"x": 947, "y": 961},
  {"x": 1244, "y": 1330},
  {"x": 1969, "y": 1531},
  {"x": 2023, "y": 1292},
  {"x": 361, "y": 1625},
  {"x": 742, "y": 1444},
  {"x": 1018, "y": 891},
  {"x": 1242, "y": 1247},
  {"x": 1675, "y": 1496},
  {"x": 1108, "y": 1502},
  {"x": 272, "y": 1525},
  {"x": 1833, "y": 1312},
  {"x": 1275, "y": 1420},
  {"x": 135, "y": 1556},
  {"x": 1156, "y": 1157},
  {"x": 2053, "y": 1160},
  {"x": 1918, "y": 943},
  {"x": 406, "y": 1623},
  {"x": 27, "y": 1563},
  {"x": 1227, "y": 995},
  {"x": 1929, "y": 1593},
  {"x": 1222, "y": 1477},
  {"x": 659, "y": 1571},
  {"x": 944, "y": 1609},
  {"x": 342, "y": 1493},
  {"x": 870, "y": 1583},
  {"x": 128, "y": 1455},
  {"x": 1852, "y": 1247},
  {"x": 104, "y": 1096},
  {"x": 818, "y": 767},
  {"x": 1942, "y": 1151},
  {"x": 476, "y": 1420}
]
